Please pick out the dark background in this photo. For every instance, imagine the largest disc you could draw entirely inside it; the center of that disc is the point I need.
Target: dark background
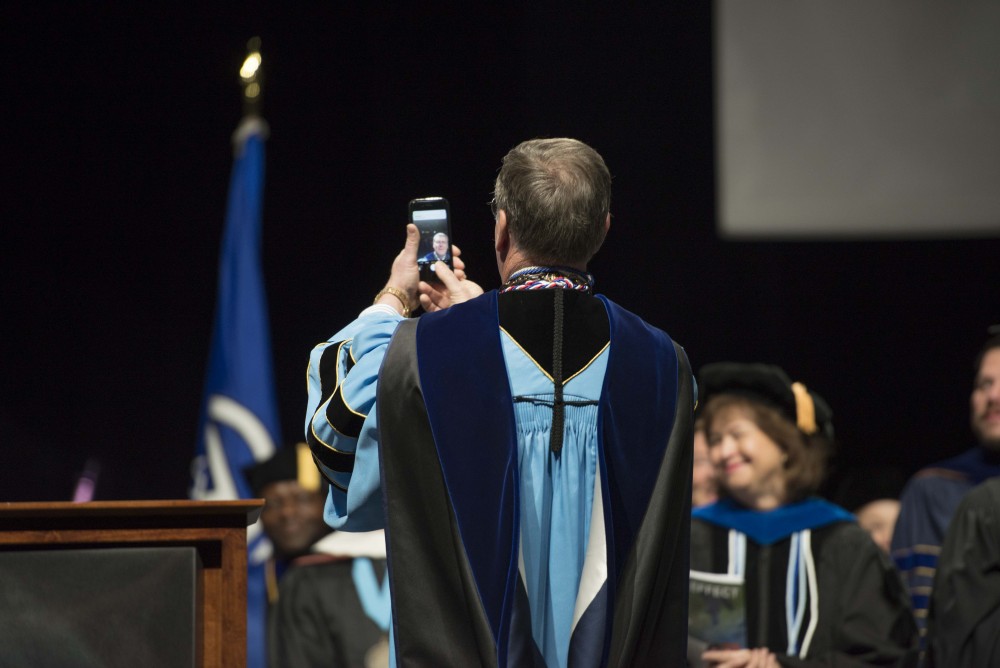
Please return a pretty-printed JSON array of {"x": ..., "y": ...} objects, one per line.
[{"x": 115, "y": 137}]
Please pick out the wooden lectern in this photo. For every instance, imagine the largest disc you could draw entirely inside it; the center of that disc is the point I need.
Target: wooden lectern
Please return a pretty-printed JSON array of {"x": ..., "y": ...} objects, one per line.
[{"x": 185, "y": 561}]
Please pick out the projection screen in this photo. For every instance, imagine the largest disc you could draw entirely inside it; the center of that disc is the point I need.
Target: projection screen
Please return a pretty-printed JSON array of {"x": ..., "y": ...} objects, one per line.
[{"x": 857, "y": 119}]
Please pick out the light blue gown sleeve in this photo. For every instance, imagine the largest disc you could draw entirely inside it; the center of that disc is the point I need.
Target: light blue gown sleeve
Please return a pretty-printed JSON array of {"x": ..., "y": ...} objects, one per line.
[{"x": 341, "y": 425}]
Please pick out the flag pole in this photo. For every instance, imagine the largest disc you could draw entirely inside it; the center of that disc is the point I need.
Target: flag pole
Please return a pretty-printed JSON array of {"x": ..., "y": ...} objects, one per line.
[{"x": 239, "y": 424}]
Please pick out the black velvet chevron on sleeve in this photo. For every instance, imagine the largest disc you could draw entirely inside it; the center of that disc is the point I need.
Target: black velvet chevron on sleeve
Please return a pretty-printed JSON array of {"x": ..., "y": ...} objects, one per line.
[{"x": 338, "y": 414}]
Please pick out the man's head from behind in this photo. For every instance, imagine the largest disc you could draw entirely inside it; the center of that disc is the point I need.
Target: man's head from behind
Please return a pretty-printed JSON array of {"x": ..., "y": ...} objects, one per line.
[
  {"x": 556, "y": 195},
  {"x": 294, "y": 496},
  {"x": 984, "y": 403}
]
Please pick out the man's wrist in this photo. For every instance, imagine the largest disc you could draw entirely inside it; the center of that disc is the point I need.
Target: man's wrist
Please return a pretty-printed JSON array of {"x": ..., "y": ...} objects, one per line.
[{"x": 390, "y": 295}]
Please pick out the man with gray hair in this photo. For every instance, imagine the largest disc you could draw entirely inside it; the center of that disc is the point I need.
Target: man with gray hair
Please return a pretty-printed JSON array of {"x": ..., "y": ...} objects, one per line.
[{"x": 535, "y": 489}]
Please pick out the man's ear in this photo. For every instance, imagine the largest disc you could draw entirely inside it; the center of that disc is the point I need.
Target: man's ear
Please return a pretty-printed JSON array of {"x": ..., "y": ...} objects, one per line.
[{"x": 501, "y": 236}]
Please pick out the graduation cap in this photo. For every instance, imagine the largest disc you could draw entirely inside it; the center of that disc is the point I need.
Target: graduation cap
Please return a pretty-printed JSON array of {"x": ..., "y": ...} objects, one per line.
[
  {"x": 770, "y": 385},
  {"x": 288, "y": 463}
]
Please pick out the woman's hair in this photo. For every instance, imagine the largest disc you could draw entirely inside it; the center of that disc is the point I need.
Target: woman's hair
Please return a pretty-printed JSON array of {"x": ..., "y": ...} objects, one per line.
[{"x": 807, "y": 455}]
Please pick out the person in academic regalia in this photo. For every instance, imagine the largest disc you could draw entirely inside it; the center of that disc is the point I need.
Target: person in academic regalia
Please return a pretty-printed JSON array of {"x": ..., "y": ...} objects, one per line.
[
  {"x": 817, "y": 591},
  {"x": 704, "y": 479},
  {"x": 931, "y": 496},
  {"x": 328, "y": 601},
  {"x": 963, "y": 628},
  {"x": 528, "y": 450},
  {"x": 332, "y": 608},
  {"x": 292, "y": 516}
]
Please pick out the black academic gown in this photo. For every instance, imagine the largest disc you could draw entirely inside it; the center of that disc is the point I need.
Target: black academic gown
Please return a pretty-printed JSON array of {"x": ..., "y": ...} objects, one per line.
[
  {"x": 964, "y": 625},
  {"x": 864, "y": 616},
  {"x": 318, "y": 619}
]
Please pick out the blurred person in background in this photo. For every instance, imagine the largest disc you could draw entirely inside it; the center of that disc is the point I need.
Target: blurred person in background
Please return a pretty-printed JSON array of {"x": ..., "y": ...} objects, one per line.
[
  {"x": 333, "y": 605},
  {"x": 963, "y": 626},
  {"x": 328, "y": 598},
  {"x": 704, "y": 483},
  {"x": 816, "y": 590},
  {"x": 932, "y": 495},
  {"x": 292, "y": 518},
  {"x": 878, "y": 518},
  {"x": 872, "y": 493}
]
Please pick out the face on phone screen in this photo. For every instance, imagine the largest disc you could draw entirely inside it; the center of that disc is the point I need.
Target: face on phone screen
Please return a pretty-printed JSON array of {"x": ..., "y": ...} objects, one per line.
[{"x": 431, "y": 218}]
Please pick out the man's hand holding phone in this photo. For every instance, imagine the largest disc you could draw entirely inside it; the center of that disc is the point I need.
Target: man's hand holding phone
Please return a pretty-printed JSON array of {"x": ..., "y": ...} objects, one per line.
[
  {"x": 404, "y": 276},
  {"x": 404, "y": 279},
  {"x": 454, "y": 287}
]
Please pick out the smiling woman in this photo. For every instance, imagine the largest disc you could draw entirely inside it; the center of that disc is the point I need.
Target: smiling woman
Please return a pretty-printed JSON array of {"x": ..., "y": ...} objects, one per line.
[
  {"x": 807, "y": 586},
  {"x": 764, "y": 459},
  {"x": 750, "y": 463}
]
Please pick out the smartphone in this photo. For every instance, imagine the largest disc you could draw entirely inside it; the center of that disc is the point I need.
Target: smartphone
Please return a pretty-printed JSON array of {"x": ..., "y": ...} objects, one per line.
[{"x": 432, "y": 217}]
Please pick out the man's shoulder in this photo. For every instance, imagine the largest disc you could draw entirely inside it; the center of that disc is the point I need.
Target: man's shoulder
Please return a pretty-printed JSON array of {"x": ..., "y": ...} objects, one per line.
[
  {"x": 936, "y": 475},
  {"x": 936, "y": 486},
  {"x": 928, "y": 503},
  {"x": 962, "y": 470},
  {"x": 633, "y": 321}
]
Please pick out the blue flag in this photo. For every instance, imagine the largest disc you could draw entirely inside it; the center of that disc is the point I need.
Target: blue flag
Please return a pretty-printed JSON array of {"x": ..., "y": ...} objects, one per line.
[{"x": 239, "y": 417}]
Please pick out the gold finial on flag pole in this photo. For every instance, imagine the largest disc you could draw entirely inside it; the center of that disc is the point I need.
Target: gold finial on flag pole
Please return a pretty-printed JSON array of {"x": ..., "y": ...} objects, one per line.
[{"x": 251, "y": 78}]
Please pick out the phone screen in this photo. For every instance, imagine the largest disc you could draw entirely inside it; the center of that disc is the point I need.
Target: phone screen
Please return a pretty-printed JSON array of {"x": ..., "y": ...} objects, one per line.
[{"x": 431, "y": 216}]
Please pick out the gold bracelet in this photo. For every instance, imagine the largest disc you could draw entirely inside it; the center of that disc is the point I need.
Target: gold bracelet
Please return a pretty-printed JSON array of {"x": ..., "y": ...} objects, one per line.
[{"x": 398, "y": 294}]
